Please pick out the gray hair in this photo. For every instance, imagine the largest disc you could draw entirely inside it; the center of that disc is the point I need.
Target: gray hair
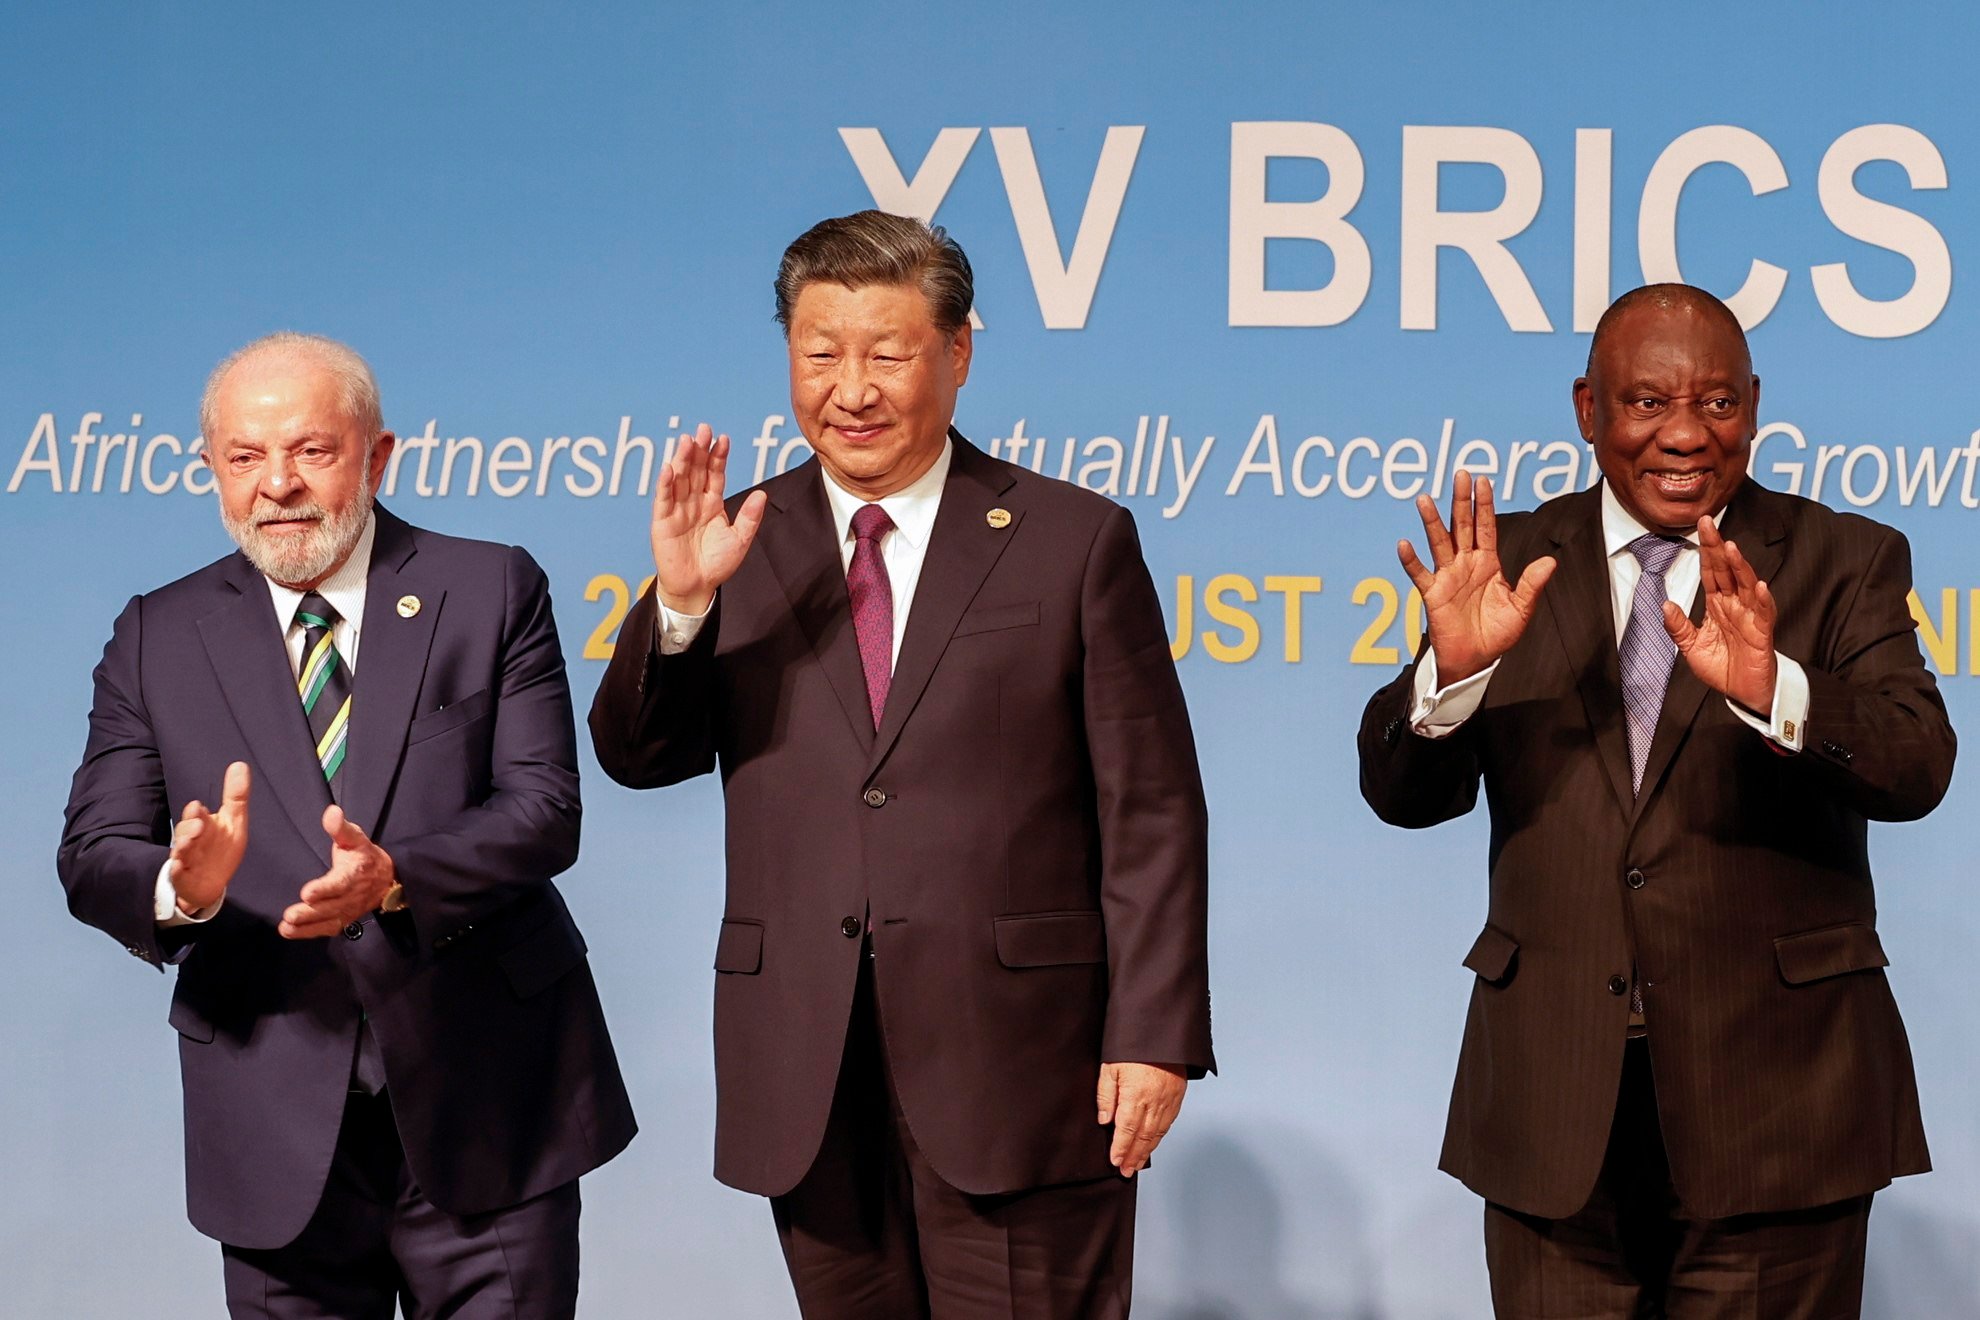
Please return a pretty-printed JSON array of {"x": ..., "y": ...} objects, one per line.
[
  {"x": 873, "y": 247},
  {"x": 356, "y": 386}
]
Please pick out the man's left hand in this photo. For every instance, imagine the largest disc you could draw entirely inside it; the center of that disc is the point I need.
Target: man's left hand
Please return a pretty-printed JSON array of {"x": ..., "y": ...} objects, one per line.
[
  {"x": 1141, "y": 1101},
  {"x": 360, "y": 873},
  {"x": 1732, "y": 650}
]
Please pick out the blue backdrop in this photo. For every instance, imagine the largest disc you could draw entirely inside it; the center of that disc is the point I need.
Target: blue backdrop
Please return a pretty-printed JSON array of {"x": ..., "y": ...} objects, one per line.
[{"x": 1261, "y": 272}]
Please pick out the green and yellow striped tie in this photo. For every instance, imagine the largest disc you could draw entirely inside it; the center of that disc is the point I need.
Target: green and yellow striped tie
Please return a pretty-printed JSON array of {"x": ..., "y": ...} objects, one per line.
[{"x": 325, "y": 685}]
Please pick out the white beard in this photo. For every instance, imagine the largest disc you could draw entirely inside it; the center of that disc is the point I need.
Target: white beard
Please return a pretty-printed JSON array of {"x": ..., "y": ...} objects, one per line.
[{"x": 308, "y": 558}]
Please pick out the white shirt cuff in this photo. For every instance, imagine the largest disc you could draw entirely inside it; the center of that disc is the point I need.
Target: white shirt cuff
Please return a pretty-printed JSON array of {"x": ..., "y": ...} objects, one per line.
[
  {"x": 1784, "y": 723},
  {"x": 1438, "y": 712},
  {"x": 678, "y": 631},
  {"x": 165, "y": 902}
]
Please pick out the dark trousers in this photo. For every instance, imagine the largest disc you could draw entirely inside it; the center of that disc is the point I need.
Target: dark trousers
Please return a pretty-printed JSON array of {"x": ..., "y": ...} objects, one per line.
[
  {"x": 376, "y": 1241},
  {"x": 873, "y": 1233},
  {"x": 1632, "y": 1253}
]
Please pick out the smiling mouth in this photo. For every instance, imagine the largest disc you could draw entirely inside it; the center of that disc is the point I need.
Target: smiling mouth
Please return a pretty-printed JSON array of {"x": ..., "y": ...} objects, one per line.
[{"x": 1681, "y": 485}]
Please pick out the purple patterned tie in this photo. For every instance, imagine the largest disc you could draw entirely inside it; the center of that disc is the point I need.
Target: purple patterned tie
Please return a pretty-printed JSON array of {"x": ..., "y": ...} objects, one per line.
[
  {"x": 1647, "y": 651},
  {"x": 872, "y": 604}
]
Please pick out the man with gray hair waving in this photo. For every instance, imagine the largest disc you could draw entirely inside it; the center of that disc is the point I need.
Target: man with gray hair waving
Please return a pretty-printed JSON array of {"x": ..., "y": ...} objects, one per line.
[{"x": 961, "y": 978}]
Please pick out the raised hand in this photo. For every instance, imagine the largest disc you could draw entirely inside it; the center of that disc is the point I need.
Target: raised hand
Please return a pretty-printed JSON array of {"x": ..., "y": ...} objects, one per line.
[
  {"x": 360, "y": 873},
  {"x": 1732, "y": 651},
  {"x": 207, "y": 845},
  {"x": 1474, "y": 616},
  {"x": 1141, "y": 1100},
  {"x": 695, "y": 546}
]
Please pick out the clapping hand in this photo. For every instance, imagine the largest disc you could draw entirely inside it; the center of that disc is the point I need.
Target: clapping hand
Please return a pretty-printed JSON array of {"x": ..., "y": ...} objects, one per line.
[
  {"x": 207, "y": 845},
  {"x": 360, "y": 874}
]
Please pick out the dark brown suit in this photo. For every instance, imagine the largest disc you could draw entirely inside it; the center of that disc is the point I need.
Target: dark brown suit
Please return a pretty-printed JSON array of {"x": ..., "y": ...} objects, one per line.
[
  {"x": 1737, "y": 883},
  {"x": 1022, "y": 843}
]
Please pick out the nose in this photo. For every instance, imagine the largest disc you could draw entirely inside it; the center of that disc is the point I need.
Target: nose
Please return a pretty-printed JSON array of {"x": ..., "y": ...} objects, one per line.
[
  {"x": 852, "y": 387},
  {"x": 1685, "y": 429},
  {"x": 278, "y": 476}
]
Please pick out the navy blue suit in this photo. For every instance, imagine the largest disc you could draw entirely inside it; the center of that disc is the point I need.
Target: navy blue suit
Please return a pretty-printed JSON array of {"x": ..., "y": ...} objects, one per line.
[{"x": 462, "y": 765}]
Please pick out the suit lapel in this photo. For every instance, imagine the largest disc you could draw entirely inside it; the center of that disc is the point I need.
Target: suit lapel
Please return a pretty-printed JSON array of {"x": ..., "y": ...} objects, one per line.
[
  {"x": 386, "y": 686},
  {"x": 802, "y": 547},
  {"x": 1752, "y": 521},
  {"x": 243, "y": 641},
  {"x": 1584, "y": 617},
  {"x": 962, "y": 549}
]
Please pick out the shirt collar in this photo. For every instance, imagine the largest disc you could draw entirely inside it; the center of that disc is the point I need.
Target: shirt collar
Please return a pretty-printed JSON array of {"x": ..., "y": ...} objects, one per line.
[
  {"x": 343, "y": 589},
  {"x": 912, "y": 507},
  {"x": 1620, "y": 527}
]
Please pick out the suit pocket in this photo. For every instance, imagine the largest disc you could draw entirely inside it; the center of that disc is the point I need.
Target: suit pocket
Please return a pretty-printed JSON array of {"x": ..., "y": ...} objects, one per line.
[
  {"x": 740, "y": 948},
  {"x": 1051, "y": 939},
  {"x": 465, "y": 711},
  {"x": 1493, "y": 955},
  {"x": 998, "y": 617},
  {"x": 1816, "y": 955},
  {"x": 543, "y": 957},
  {"x": 189, "y": 1021}
]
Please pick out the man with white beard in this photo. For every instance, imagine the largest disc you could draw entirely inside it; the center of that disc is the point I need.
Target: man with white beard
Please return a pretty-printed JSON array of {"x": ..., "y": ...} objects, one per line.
[{"x": 395, "y": 1062}]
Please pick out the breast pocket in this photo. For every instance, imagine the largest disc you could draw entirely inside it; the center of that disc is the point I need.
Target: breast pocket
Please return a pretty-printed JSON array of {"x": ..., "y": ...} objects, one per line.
[
  {"x": 448, "y": 718},
  {"x": 997, "y": 618}
]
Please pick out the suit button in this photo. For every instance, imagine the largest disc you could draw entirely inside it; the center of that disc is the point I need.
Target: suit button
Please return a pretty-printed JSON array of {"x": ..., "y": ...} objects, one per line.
[
  {"x": 1617, "y": 985},
  {"x": 850, "y": 928},
  {"x": 134, "y": 950},
  {"x": 354, "y": 931},
  {"x": 1634, "y": 879},
  {"x": 874, "y": 798}
]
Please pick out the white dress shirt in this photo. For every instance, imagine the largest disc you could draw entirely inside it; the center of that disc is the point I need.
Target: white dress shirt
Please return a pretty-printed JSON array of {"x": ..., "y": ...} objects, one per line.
[
  {"x": 344, "y": 590},
  {"x": 902, "y": 549},
  {"x": 1437, "y": 712}
]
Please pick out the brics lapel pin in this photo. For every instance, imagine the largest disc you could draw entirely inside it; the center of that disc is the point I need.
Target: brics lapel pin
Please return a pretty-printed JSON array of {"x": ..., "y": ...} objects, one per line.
[
  {"x": 998, "y": 518},
  {"x": 408, "y": 606}
]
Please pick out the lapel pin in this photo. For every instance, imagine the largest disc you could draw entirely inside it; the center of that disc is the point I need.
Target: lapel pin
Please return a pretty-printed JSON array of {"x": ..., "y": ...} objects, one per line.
[
  {"x": 998, "y": 518},
  {"x": 408, "y": 606}
]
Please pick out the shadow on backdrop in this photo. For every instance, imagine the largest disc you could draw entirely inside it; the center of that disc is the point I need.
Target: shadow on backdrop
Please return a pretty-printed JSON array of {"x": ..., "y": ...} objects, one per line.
[
  {"x": 1218, "y": 1241},
  {"x": 1922, "y": 1266}
]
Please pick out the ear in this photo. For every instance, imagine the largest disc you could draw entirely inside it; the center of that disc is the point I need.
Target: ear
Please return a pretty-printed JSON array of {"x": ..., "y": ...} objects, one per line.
[
  {"x": 381, "y": 454},
  {"x": 960, "y": 349},
  {"x": 1584, "y": 408}
]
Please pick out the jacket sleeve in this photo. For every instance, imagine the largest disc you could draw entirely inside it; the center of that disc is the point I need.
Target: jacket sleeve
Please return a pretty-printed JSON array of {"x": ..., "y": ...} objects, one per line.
[
  {"x": 526, "y": 830},
  {"x": 1410, "y": 780},
  {"x": 1153, "y": 822},
  {"x": 1877, "y": 734},
  {"x": 653, "y": 718},
  {"x": 117, "y": 829}
]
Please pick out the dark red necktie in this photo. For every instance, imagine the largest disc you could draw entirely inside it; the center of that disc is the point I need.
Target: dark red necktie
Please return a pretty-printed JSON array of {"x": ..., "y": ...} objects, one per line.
[{"x": 872, "y": 604}]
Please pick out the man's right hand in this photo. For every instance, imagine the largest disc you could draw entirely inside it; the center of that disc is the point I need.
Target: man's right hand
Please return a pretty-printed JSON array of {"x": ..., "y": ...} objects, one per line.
[
  {"x": 695, "y": 546},
  {"x": 1474, "y": 617},
  {"x": 207, "y": 845}
]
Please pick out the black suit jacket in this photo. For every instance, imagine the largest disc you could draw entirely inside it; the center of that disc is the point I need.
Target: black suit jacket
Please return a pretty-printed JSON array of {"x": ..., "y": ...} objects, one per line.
[
  {"x": 1737, "y": 883},
  {"x": 462, "y": 765},
  {"x": 1023, "y": 840}
]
